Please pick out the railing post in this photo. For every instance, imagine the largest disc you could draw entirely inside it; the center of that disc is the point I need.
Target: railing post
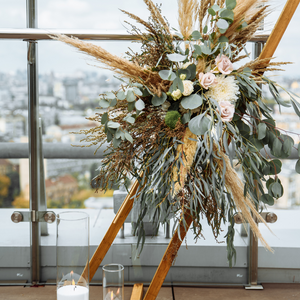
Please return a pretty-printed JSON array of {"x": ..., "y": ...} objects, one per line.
[{"x": 33, "y": 132}]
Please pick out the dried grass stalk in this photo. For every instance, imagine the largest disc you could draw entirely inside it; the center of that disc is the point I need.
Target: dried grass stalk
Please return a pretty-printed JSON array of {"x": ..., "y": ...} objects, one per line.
[
  {"x": 187, "y": 152},
  {"x": 119, "y": 65},
  {"x": 156, "y": 15},
  {"x": 243, "y": 204},
  {"x": 187, "y": 10},
  {"x": 204, "y": 5}
]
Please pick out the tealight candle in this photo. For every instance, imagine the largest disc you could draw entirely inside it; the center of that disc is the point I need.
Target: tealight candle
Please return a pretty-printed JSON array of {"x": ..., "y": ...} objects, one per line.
[{"x": 72, "y": 292}]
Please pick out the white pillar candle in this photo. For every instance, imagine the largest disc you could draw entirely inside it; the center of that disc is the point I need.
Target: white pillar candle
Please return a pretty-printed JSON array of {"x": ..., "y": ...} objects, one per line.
[{"x": 73, "y": 292}]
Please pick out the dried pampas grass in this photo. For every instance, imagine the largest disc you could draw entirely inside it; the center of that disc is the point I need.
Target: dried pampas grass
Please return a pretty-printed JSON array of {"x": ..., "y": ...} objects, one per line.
[
  {"x": 243, "y": 204},
  {"x": 187, "y": 16},
  {"x": 118, "y": 64},
  {"x": 187, "y": 152}
]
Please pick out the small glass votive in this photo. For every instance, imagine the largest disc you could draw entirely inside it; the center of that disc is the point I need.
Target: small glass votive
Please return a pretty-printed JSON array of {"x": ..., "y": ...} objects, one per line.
[
  {"x": 72, "y": 256},
  {"x": 113, "y": 282}
]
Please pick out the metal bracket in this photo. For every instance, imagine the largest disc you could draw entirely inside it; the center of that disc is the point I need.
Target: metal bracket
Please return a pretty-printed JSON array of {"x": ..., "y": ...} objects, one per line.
[
  {"x": 33, "y": 216},
  {"x": 269, "y": 217}
]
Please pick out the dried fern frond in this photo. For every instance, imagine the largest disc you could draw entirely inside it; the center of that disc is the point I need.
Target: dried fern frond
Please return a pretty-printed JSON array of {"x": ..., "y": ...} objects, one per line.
[
  {"x": 187, "y": 10},
  {"x": 119, "y": 65}
]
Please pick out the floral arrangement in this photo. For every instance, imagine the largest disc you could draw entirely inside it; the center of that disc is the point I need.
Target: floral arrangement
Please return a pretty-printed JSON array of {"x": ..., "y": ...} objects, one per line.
[{"x": 184, "y": 117}]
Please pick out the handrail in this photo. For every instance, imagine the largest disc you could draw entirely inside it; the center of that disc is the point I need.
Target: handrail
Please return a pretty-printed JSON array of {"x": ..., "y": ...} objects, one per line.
[
  {"x": 52, "y": 151},
  {"x": 85, "y": 34}
]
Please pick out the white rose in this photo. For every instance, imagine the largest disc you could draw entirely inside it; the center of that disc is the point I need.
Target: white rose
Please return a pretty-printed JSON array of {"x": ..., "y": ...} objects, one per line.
[
  {"x": 176, "y": 94},
  {"x": 207, "y": 79},
  {"x": 188, "y": 87}
]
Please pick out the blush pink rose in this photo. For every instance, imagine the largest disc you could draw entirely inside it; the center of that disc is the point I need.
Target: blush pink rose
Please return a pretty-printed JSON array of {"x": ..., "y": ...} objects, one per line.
[
  {"x": 227, "y": 110},
  {"x": 224, "y": 64},
  {"x": 206, "y": 80}
]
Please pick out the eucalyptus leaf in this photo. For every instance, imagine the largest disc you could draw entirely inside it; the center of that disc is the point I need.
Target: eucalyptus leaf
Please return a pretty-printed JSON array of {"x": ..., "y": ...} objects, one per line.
[
  {"x": 104, "y": 118},
  {"x": 266, "y": 198},
  {"x": 192, "y": 69},
  {"x": 129, "y": 119},
  {"x": 191, "y": 102},
  {"x": 262, "y": 130},
  {"x": 140, "y": 104},
  {"x": 167, "y": 75},
  {"x": 119, "y": 134},
  {"x": 223, "y": 39},
  {"x": 130, "y": 96},
  {"x": 112, "y": 124},
  {"x": 276, "y": 189},
  {"x": 186, "y": 118},
  {"x": 230, "y": 4},
  {"x": 121, "y": 95},
  {"x": 128, "y": 137},
  {"x": 196, "y": 35},
  {"x": 211, "y": 12},
  {"x": 113, "y": 102},
  {"x": 297, "y": 167},
  {"x": 104, "y": 103},
  {"x": 116, "y": 142},
  {"x": 227, "y": 14},
  {"x": 176, "y": 57},
  {"x": 222, "y": 24},
  {"x": 198, "y": 49},
  {"x": 137, "y": 91},
  {"x": 109, "y": 95},
  {"x": 157, "y": 101},
  {"x": 131, "y": 106},
  {"x": 199, "y": 124}
]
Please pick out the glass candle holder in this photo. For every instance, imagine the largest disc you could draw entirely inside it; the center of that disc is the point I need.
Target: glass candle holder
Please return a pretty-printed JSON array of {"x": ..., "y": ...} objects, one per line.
[
  {"x": 113, "y": 282},
  {"x": 72, "y": 256}
]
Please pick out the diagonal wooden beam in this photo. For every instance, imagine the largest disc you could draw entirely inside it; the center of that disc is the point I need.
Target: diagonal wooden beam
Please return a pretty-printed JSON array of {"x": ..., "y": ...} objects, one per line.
[
  {"x": 279, "y": 29},
  {"x": 111, "y": 233},
  {"x": 168, "y": 258}
]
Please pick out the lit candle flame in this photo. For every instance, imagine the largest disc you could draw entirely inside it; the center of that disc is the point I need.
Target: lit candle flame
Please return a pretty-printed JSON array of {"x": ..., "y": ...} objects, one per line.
[
  {"x": 112, "y": 295},
  {"x": 73, "y": 282},
  {"x": 118, "y": 291}
]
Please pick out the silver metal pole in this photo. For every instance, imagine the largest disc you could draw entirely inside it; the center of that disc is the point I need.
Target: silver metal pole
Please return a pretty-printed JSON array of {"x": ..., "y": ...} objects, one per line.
[{"x": 33, "y": 131}]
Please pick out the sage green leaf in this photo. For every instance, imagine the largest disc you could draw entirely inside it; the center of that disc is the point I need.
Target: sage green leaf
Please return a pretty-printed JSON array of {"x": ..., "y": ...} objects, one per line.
[
  {"x": 275, "y": 166},
  {"x": 157, "y": 101},
  {"x": 186, "y": 72},
  {"x": 223, "y": 39},
  {"x": 222, "y": 24},
  {"x": 116, "y": 142},
  {"x": 176, "y": 57},
  {"x": 128, "y": 137},
  {"x": 262, "y": 130},
  {"x": 230, "y": 4},
  {"x": 269, "y": 181},
  {"x": 140, "y": 104},
  {"x": 276, "y": 147},
  {"x": 137, "y": 91},
  {"x": 196, "y": 35},
  {"x": 255, "y": 144},
  {"x": 129, "y": 119},
  {"x": 192, "y": 69},
  {"x": 297, "y": 168},
  {"x": 211, "y": 12},
  {"x": 276, "y": 189},
  {"x": 299, "y": 149},
  {"x": 199, "y": 124},
  {"x": 104, "y": 103},
  {"x": 206, "y": 49},
  {"x": 192, "y": 101},
  {"x": 121, "y": 95},
  {"x": 119, "y": 134},
  {"x": 109, "y": 95},
  {"x": 131, "y": 106},
  {"x": 227, "y": 14},
  {"x": 167, "y": 75},
  {"x": 104, "y": 118},
  {"x": 112, "y": 124},
  {"x": 109, "y": 136},
  {"x": 215, "y": 7},
  {"x": 113, "y": 102},
  {"x": 198, "y": 49},
  {"x": 205, "y": 29},
  {"x": 266, "y": 198},
  {"x": 186, "y": 118},
  {"x": 288, "y": 146},
  {"x": 130, "y": 96}
]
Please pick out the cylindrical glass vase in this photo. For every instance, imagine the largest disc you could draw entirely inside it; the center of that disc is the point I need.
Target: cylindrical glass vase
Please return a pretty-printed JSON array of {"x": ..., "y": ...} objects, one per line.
[
  {"x": 72, "y": 256},
  {"x": 113, "y": 282}
]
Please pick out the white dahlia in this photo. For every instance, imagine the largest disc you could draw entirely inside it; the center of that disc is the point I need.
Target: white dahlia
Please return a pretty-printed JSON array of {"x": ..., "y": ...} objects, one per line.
[{"x": 226, "y": 89}]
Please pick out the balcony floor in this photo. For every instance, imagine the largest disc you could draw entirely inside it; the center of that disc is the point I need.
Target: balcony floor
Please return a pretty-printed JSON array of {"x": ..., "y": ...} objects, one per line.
[{"x": 271, "y": 291}]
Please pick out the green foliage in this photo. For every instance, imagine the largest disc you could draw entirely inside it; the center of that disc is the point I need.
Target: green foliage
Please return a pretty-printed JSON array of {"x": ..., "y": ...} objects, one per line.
[{"x": 172, "y": 118}]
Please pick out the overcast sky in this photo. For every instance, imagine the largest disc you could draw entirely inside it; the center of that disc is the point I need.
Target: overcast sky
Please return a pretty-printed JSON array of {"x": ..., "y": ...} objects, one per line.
[{"x": 105, "y": 15}]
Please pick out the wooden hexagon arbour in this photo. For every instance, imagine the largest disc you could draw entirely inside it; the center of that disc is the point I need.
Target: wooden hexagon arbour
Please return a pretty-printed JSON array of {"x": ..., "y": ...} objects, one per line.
[{"x": 167, "y": 260}]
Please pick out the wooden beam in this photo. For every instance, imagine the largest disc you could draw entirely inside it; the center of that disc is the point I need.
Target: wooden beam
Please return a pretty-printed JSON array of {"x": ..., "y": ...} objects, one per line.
[
  {"x": 168, "y": 259},
  {"x": 137, "y": 292},
  {"x": 279, "y": 29},
  {"x": 111, "y": 233}
]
